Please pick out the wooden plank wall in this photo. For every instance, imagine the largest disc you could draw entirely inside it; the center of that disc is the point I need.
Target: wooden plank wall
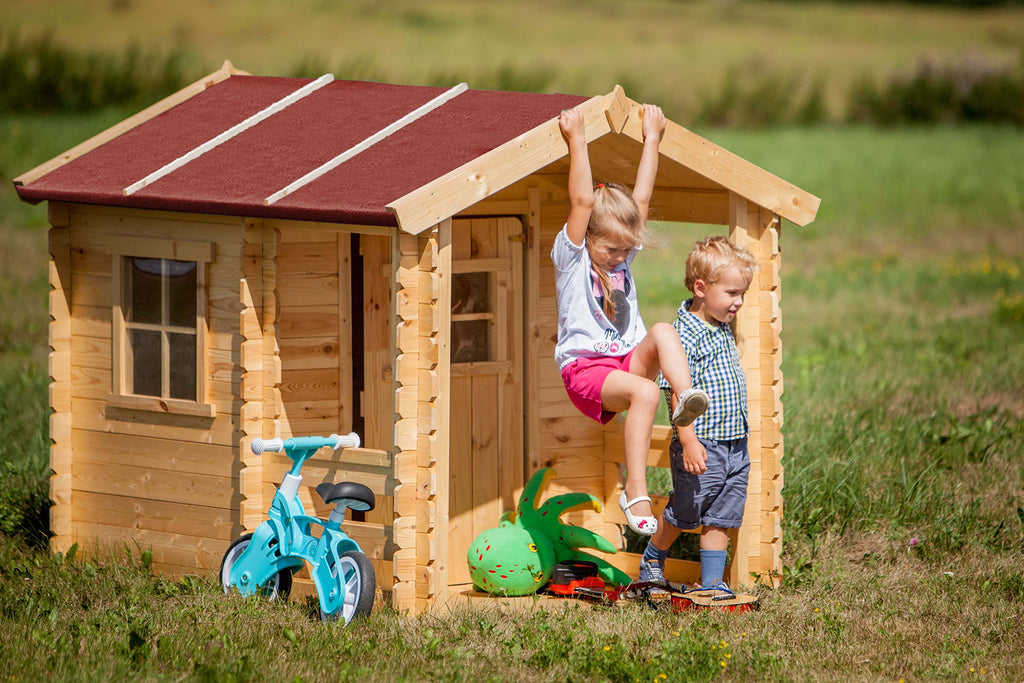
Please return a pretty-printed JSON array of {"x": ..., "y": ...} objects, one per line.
[
  {"x": 315, "y": 333},
  {"x": 315, "y": 393},
  {"x": 142, "y": 479}
]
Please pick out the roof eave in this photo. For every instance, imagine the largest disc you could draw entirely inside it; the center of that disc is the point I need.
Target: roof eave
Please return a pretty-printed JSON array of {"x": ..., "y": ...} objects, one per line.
[
  {"x": 611, "y": 113},
  {"x": 728, "y": 170},
  {"x": 226, "y": 71}
]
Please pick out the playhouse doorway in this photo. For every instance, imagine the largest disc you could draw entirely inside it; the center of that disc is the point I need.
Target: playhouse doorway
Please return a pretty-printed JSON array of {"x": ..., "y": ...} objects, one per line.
[{"x": 486, "y": 452}]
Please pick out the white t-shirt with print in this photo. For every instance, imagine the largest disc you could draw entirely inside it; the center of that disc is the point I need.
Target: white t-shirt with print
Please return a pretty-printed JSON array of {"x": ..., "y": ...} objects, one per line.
[{"x": 584, "y": 331}]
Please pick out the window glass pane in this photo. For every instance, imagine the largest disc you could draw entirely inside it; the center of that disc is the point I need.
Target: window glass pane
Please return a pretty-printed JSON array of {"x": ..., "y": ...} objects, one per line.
[
  {"x": 183, "y": 366},
  {"x": 143, "y": 290},
  {"x": 470, "y": 341},
  {"x": 181, "y": 292},
  {"x": 145, "y": 350},
  {"x": 471, "y": 293}
]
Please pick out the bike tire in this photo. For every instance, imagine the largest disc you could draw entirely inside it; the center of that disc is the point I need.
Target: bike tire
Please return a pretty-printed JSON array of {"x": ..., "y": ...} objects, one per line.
[
  {"x": 279, "y": 586},
  {"x": 355, "y": 576}
]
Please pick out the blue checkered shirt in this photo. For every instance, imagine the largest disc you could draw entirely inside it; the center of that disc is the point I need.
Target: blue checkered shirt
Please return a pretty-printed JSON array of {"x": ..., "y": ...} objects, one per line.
[{"x": 715, "y": 368}]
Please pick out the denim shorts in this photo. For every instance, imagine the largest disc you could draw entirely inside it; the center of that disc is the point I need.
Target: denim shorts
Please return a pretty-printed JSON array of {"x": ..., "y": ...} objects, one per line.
[{"x": 715, "y": 498}]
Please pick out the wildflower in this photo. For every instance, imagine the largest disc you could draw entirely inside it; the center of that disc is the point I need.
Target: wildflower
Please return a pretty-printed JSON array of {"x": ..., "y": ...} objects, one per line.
[
  {"x": 723, "y": 644},
  {"x": 607, "y": 648},
  {"x": 675, "y": 633},
  {"x": 662, "y": 676},
  {"x": 816, "y": 610},
  {"x": 913, "y": 541},
  {"x": 722, "y": 663}
]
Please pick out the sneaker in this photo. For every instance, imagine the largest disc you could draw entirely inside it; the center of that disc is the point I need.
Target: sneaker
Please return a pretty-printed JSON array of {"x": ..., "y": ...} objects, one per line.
[
  {"x": 652, "y": 571},
  {"x": 691, "y": 404}
]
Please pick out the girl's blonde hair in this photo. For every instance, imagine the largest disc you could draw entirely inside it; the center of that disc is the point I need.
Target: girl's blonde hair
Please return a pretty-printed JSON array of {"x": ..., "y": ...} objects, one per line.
[
  {"x": 615, "y": 217},
  {"x": 710, "y": 257}
]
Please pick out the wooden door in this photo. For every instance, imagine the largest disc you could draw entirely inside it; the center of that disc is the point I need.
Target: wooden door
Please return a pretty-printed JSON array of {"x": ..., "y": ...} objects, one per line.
[{"x": 486, "y": 451}]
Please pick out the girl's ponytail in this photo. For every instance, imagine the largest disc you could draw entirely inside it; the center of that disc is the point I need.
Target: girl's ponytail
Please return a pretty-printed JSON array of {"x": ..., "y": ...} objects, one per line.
[
  {"x": 615, "y": 215},
  {"x": 606, "y": 292}
]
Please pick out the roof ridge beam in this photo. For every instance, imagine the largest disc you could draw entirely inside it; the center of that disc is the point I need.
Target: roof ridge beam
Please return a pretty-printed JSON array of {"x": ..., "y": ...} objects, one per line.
[
  {"x": 368, "y": 142},
  {"x": 235, "y": 130}
]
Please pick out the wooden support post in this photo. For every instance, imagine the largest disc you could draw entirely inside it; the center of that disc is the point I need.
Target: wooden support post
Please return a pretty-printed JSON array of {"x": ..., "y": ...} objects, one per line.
[
  {"x": 532, "y": 331},
  {"x": 61, "y": 522},
  {"x": 756, "y": 545},
  {"x": 405, "y": 268},
  {"x": 253, "y": 352},
  {"x": 434, "y": 303},
  {"x": 345, "y": 341}
]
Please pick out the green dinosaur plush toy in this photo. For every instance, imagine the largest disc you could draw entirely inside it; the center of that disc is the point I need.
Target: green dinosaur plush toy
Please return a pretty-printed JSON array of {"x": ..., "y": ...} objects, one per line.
[{"x": 518, "y": 556}]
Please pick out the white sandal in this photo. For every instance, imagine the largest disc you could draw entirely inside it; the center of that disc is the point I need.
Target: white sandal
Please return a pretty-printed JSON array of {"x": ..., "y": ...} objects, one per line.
[{"x": 643, "y": 525}]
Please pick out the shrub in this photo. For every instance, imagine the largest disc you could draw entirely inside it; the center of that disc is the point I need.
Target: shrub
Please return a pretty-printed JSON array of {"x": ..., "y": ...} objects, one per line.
[
  {"x": 970, "y": 91},
  {"x": 39, "y": 75}
]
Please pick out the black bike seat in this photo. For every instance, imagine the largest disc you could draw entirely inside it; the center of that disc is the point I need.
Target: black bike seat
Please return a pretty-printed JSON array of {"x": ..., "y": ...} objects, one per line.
[{"x": 348, "y": 493}]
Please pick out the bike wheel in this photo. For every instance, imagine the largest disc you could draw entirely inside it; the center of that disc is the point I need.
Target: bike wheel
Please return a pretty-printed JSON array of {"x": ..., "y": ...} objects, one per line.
[
  {"x": 279, "y": 586},
  {"x": 354, "y": 574}
]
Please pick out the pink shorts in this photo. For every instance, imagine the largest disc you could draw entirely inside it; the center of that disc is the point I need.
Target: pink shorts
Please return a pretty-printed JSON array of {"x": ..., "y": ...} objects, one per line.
[{"x": 584, "y": 378}]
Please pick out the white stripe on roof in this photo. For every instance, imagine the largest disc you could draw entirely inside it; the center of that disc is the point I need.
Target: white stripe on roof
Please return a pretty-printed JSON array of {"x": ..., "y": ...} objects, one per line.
[
  {"x": 202, "y": 149},
  {"x": 368, "y": 142}
]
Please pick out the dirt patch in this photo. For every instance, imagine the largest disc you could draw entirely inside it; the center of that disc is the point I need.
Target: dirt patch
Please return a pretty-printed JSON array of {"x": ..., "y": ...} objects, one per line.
[{"x": 1011, "y": 402}]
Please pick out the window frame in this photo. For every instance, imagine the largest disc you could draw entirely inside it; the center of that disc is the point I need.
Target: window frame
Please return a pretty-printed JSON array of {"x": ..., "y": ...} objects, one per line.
[{"x": 202, "y": 254}]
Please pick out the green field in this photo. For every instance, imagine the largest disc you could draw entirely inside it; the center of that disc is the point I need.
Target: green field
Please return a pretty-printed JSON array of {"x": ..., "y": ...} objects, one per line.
[
  {"x": 674, "y": 52},
  {"x": 903, "y": 354}
]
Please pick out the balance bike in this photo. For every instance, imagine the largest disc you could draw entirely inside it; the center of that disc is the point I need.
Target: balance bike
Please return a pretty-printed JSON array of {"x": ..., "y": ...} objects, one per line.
[{"x": 263, "y": 561}]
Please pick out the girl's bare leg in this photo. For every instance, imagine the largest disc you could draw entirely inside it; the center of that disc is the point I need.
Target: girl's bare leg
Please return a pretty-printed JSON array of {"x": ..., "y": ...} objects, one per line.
[
  {"x": 662, "y": 350},
  {"x": 639, "y": 398}
]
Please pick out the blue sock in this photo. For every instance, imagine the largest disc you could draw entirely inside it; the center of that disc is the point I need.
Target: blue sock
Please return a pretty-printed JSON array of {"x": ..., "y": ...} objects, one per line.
[
  {"x": 712, "y": 567},
  {"x": 652, "y": 553}
]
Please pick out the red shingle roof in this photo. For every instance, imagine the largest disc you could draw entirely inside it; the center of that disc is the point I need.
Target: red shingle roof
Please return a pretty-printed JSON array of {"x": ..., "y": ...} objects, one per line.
[{"x": 237, "y": 176}]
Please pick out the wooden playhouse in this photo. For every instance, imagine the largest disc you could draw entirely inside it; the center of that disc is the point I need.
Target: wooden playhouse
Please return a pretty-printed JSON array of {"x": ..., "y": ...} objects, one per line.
[{"x": 262, "y": 257}]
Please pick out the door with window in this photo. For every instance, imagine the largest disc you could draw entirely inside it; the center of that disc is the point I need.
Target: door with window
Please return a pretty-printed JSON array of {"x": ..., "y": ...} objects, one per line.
[{"x": 486, "y": 450}]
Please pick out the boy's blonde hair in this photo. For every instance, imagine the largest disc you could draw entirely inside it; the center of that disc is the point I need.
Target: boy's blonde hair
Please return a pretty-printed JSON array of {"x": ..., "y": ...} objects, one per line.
[{"x": 710, "y": 257}]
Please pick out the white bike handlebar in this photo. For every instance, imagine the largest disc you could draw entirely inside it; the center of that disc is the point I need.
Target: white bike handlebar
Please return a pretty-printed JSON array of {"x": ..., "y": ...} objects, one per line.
[
  {"x": 350, "y": 440},
  {"x": 259, "y": 446}
]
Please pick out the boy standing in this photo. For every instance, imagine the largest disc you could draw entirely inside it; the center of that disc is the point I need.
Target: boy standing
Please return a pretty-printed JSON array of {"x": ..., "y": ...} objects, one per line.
[{"x": 710, "y": 463}]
